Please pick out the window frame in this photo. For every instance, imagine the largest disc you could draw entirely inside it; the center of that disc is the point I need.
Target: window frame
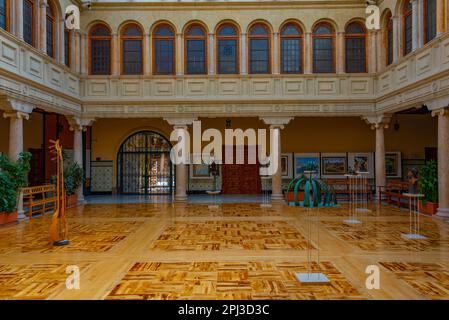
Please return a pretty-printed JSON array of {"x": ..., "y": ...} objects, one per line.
[
  {"x": 33, "y": 22},
  {"x": 388, "y": 32},
  {"x": 7, "y": 15},
  {"x": 405, "y": 14},
  {"x": 187, "y": 38},
  {"x": 52, "y": 18},
  {"x": 356, "y": 36},
  {"x": 426, "y": 21},
  {"x": 68, "y": 54},
  {"x": 251, "y": 37},
  {"x": 123, "y": 38},
  {"x": 236, "y": 38},
  {"x": 300, "y": 37},
  {"x": 154, "y": 39},
  {"x": 331, "y": 36},
  {"x": 93, "y": 38}
]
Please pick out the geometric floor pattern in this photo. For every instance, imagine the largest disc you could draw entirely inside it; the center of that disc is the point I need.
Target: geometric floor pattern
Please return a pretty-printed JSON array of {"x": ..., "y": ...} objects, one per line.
[{"x": 229, "y": 280}]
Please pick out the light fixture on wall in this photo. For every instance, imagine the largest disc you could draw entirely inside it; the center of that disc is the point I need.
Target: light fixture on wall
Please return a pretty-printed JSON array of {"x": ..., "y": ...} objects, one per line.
[
  {"x": 228, "y": 123},
  {"x": 396, "y": 125}
]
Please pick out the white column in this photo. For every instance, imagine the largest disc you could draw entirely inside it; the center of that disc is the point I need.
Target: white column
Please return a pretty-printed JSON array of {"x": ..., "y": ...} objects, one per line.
[
  {"x": 441, "y": 16},
  {"x": 179, "y": 55},
  {"x": 84, "y": 54},
  {"x": 443, "y": 161},
  {"x": 276, "y": 55},
  {"x": 397, "y": 39},
  {"x": 415, "y": 24},
  {"x": 308, "y": 50},
  {"x": 73, "y": 51},
  {"x": 115, "y": 49},
  {"x": 341, "y": 53},
  {"x": 211, "y": 53},
  {"x": 43, "y": 26},
  {"x": 77, "y": 58},
  {"x": 276, "y": 125},
  {"x": 372, "y": 63},
  {"x": 60, "y": 44},
  {"x": 420, "y": 23},
  {"x": 243, "y": 55},
  {"x": 147, "y": 58},
  {"x": 18, "y": 21},
  {"x": 78, "y": 155}
]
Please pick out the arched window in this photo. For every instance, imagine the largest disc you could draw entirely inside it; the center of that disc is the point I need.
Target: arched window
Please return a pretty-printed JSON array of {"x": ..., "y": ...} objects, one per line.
[
  {"x": 4, "y": 14},
  {"x": 323, "y": 48},
  {"x": 67, "y": 45},
  {"x": 259, "y": 49},
  {"x": 408, "y": 29},
  {"x": 430, "y": 20},
  {"x": 51, "y": 29},
  {"x": 228, "y": 49},
  {"x": 389, "y": 38},
  {"x": 355, "y": 44},
  {"x": 195, "y": 50},
  {"x": 100, "y": 50},
  {"x": 131, "y": 49},
  {"x": 28, "y": 21},
  {"x": 163, "y": 50},
  {"x": 291, "y": 49}
]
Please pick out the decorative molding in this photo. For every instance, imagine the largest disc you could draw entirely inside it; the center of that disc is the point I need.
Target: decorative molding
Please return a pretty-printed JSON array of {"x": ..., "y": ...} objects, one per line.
[
  {"x": 378, "y": 121},
  {"x": 276, "y": 122},
  {"x": 14, "y": 105},
  {"x": 182, "y": 122},
  {"x": 79, "y": 124}
]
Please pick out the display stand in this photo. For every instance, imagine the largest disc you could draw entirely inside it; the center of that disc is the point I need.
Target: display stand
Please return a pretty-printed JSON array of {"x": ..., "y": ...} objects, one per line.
[
  {"x": 310, "y": 277},
  {"x": 414, "y": 217},
  {"x": 213, "y": 194},
  {"x": 352, "y": 205},
  {"x": 362, "y": 187},
  {"x": 266, "y": 198}
]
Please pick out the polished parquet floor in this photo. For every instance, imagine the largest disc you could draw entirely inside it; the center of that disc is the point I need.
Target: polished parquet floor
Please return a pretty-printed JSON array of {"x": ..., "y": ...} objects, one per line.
[{"x": 235, "y": 251}]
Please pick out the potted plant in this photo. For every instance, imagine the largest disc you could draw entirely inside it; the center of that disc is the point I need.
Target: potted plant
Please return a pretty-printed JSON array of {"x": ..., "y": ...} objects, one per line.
[
  {"x": 428, "y": 184},
  {"x": 73, "y": 179},
  {"x": 13, "y": 177}
]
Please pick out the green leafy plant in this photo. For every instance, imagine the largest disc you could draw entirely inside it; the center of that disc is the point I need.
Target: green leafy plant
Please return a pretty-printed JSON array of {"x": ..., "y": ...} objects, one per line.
[
  {"x": 428, "y": 181},
  {"x": 13, "y": 177},
  {"x": 73, "y": 178}
]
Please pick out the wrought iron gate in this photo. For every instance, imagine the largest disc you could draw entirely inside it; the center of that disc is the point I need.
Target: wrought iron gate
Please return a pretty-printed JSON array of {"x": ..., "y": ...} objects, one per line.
[{"x": 144, "y": 165}]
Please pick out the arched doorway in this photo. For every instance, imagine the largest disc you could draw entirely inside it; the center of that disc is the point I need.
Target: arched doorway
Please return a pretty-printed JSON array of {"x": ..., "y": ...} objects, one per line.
[{"x": 144, "y": 165}]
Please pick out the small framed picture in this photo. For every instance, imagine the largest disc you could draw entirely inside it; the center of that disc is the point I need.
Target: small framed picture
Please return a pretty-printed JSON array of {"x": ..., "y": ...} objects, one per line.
[
  {"x": 199, "y": 170},
  {"x": 393, "y": 164},
  {"x": 287, "y": 165},
  {"x": 361, "y": 162},
  {"x": 334, "y": 165},
  {"x": 303, "y": 161}
]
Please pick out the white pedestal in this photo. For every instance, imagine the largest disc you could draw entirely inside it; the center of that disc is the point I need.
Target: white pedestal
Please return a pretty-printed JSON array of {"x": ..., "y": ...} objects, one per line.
[{"x": 312, "y": 278}]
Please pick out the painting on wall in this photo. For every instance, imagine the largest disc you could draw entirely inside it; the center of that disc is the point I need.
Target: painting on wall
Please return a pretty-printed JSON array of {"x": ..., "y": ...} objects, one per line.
[
  {"x": 303, "y": 160},
  {"x": 361, "y": 162},
  {"x": 333, "y": 165},
  {"x": 199, "y": 171},
  {"x": 393, "y": 164},
  {"x": 287, "y": 165}
]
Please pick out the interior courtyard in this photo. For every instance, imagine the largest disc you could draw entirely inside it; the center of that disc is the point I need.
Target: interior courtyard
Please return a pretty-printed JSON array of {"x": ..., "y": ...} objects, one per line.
[{"x": 140, "y": 226}]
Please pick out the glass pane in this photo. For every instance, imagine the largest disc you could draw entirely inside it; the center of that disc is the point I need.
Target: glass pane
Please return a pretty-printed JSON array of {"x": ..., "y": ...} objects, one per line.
[
  {"x": 132, "y": 56},
  {"x": 101, "y": 52},
  {"x": 291, "y": 55},
  {"x": 259, "y": 30},
  {"x": 196, "y": 57},
  {"x": 164, "y": 32},
  {"x": 67, "y": 48},
  {"x": 196, "y": 31},
  {"x": 291, "y": 30},
  {"x": 164, "y": 56},
  {"x": 355, "y": 55},
  {"x": 50, "y": 37},
  {"x": 27, "y": 22},
  {"x": 259, "y": 56},
  {"x": 323, "y": 57},
  {"x": 132, "y": 31},
  {"x": 100, "y": 31},
  {"x": 227, "y": 56},
  {"x": 227, "y": 31},
  {"x": 390, "y": 46},
  {"x": 431, "y": 20},
  {"x": 408, "y": 34},
  {"x": 355, "y": 28},
  {"x": 3, "y": 14},
  {"x": 322, "y": 29}
]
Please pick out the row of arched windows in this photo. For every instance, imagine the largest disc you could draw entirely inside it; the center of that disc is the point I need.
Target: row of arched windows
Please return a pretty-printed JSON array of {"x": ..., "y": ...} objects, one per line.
[{"x": 227, "y": 49}]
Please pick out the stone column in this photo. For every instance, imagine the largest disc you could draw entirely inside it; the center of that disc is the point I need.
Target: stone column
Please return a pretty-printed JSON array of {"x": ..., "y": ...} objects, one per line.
[
  {"x": 243, "y": 55},
  {"x": 115, "y": 49},
  {"x": 77, "y": 57},
  {"x": 211, "y": 54},
  {"x": 441, "y": 16},
  {"x": 84, "y": 54},
  {"x": 420, "y": 23},
  {"x": 379, "y": 123},
  {"x": 372, "y": 63},
  {"x": 18, "y": 21},
  {"x": 308, "y": 52},
  {"x": 276, "y": 125},
  {"x": 179, "y": 55},
  {"x": 276, "y": 61},
  {"x": 415, "y": 24},
  {"x": 443, "y": 161},
  {"x": 43, "y": 26},
  {"x": 60, "y": 45},
  {"x": 147, "y": 58},
  {"x": 340, "y": 67},
  {"x": 397, "y": 39},
  {"x": 73, "y": 51},
  {"x": 181, "y": 125}
]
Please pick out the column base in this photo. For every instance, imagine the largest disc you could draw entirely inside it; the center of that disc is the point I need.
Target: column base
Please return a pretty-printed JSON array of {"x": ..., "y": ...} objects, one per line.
[
  {"x": 443, "y": 212},
  {"x": 180, "y": 198},
  {"x": 277, "y": 197},
  {"x": 21, "y": 215}
]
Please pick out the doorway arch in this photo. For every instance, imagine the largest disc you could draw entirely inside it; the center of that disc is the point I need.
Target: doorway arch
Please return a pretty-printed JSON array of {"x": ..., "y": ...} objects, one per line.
[{"x": 144, "y": 166}]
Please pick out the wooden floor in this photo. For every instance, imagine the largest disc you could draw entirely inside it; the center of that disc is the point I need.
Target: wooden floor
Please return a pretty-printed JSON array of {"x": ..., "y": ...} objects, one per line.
[{"x": 238, "y": 251}]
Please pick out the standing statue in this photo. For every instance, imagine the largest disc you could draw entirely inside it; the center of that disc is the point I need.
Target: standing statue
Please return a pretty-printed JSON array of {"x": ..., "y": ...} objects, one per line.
[
  {"x": 59, "y": 229},
  {"x": 215, "y": 171},
  {"x": 412, "y": 177}
]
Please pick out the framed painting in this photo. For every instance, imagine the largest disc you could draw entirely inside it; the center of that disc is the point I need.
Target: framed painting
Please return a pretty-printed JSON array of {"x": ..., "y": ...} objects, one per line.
[
  {"x": 361, "y": 162},
  {"x": 304, "y": 160},
  {"x": 287, "y": 165},
  {"x": 334, "y": 165},
  {"x": 393, "y": 164},
  {"x": 199, "y": 171}
]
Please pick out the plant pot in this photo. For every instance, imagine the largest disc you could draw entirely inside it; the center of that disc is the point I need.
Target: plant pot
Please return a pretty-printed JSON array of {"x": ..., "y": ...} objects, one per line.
[
  {"x": 428, "y": 207},
  {"x": 291, "y": 196},
  {"x": 8, "y": 217},
  {"x": 71, "y": 201}
]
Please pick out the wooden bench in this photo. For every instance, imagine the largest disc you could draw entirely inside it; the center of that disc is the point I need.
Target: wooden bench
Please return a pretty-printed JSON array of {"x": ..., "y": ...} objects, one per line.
[
  {"x": 341, "y": 186},
  {"x": 39, "y": 199},
  {"x": 394, "y": 189}
]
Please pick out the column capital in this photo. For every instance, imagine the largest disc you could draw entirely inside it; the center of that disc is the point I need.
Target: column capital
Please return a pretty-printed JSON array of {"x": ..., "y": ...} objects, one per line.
[
  {"x": 378, "y": 121},
  {"x": 16, "y": 115},
  {"x": 79, "y": 124},
  {"x": 12, "y": 105},
  {"x": 278, "y": 122},
  {"x": 438, "y": 103},
  {"x": 180, "y": 121},
  {"x": 43, "y": 3},
  {"x": 440, "y": 112}
]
